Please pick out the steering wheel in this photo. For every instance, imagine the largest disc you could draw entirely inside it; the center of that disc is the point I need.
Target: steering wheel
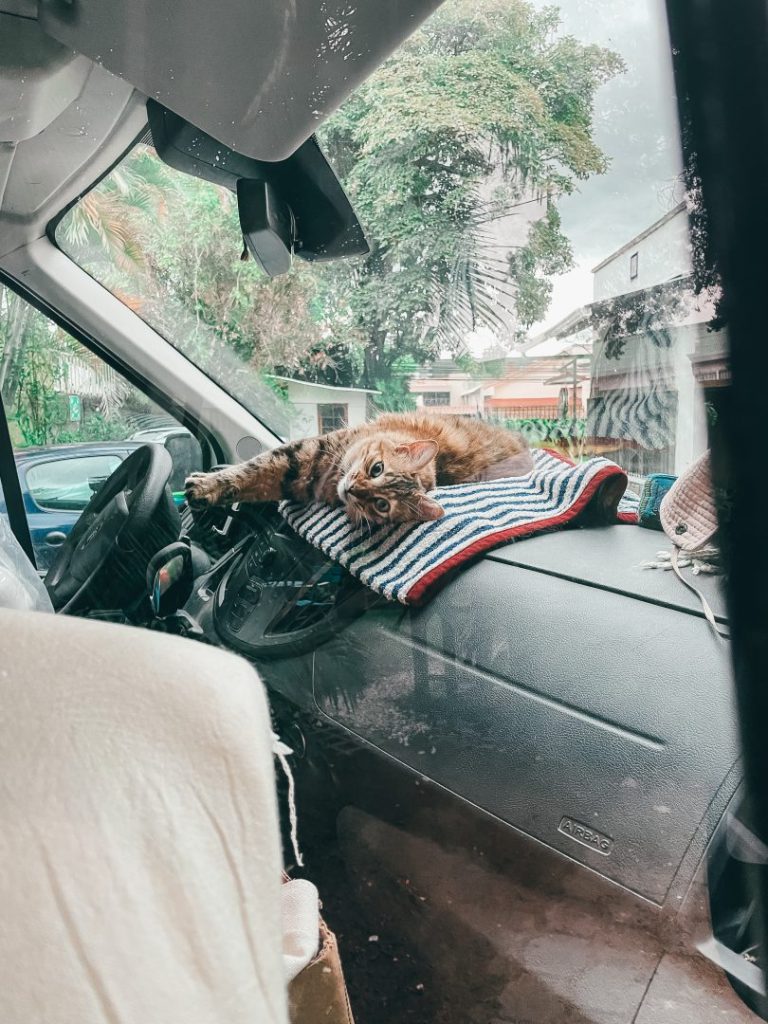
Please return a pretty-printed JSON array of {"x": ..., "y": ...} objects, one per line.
[
  {"x": 132, "y": 515},
  {"x": 283, "y": 597}
]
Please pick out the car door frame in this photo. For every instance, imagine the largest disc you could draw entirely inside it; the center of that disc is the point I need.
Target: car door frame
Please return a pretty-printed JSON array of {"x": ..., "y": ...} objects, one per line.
[{"x": 721, "y": 71}]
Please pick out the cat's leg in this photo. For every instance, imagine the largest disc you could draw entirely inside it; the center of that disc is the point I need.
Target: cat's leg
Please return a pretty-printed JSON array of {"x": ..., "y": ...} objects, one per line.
[
  {"x": 259, "y": 479},
  {"x": 300, "y": 471}
]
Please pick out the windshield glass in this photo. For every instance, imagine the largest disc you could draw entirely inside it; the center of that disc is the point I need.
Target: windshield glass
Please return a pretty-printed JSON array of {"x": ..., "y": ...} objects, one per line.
[{"x": 530, "y": 259}]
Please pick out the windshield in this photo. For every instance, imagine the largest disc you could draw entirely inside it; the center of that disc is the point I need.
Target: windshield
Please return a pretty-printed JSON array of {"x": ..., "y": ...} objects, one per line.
[
  {"x": 501, "y": 680},
  {"x": 530, "y": 259}
]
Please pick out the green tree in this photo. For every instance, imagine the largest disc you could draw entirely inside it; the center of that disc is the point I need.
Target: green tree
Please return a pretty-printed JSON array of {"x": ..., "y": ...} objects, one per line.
[
  {"x": 194, "y": 250},
  {"x": 484, "y": 111},
  {"x": 483, "y": 114}
]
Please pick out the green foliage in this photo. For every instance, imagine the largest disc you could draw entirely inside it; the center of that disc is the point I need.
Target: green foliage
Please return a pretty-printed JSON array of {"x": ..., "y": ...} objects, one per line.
[
  {"x": 481, "y": 96},
  {"x": 34, "y": 358},
  {"x": 540, "y": 431},
  {"x": 394, "y": 395},
  {"x": 31, "y": 371},
  {"x": 95, "y": 426},
  {"x": 485, "y": 112},
  {"x": 548, "y": 252},
  {"x": 567, "y": 435}
]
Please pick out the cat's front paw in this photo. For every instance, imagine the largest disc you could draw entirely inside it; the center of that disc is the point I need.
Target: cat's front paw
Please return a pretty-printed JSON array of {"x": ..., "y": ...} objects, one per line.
[{"x": 204, "y": 489}]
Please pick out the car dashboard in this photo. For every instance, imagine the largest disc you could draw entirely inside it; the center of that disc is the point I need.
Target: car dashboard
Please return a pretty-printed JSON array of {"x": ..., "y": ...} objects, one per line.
[{"x": 556, "y": 685}]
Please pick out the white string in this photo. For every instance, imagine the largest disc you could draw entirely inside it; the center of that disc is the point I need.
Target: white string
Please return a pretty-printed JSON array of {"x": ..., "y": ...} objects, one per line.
[
  {"x": 708, "y": 613},
  {"x": 703, "y": 560},
  {"x": 281, "y": 752}
]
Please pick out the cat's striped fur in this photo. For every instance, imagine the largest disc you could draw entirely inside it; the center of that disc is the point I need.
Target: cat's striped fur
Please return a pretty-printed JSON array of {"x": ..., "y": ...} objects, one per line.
[{"x": 381, "y": 471}]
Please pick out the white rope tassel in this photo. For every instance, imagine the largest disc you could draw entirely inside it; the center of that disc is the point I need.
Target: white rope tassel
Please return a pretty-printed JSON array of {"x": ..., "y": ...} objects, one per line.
[
  {"x": 281, "y": 752},
  {"x": 703, "y": 560}
]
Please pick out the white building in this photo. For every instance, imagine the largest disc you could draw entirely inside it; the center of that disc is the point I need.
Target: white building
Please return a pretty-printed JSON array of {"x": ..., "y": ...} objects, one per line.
[
  {"x": 654, "y": 357},
  {"x": 660, "y": 359},
  {"x": 320, "y": 408},
  {"x": 658, "y": 254}
]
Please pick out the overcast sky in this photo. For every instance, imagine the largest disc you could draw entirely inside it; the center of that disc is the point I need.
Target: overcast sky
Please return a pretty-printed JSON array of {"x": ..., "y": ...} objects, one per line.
[{"x": 636, "y": 126}]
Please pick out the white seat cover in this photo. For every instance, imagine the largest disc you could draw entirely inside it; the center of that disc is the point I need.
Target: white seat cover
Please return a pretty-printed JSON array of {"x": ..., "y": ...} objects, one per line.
[
  {"x": 20, "y": 586},
  {"x": 140, "y": 863}
]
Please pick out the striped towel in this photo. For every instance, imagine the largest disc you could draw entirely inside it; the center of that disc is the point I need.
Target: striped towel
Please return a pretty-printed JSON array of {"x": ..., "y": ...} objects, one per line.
[{"x": 404, "y": 563}]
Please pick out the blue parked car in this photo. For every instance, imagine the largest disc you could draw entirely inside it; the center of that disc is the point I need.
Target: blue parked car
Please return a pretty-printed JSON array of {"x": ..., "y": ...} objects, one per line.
[{"x": 57, "y": 482}]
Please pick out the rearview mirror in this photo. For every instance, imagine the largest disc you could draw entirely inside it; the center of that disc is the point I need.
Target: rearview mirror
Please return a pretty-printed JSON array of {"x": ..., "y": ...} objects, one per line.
[
  {"x": 323, "y": 223},
  {"x": 267, "y": 224}
]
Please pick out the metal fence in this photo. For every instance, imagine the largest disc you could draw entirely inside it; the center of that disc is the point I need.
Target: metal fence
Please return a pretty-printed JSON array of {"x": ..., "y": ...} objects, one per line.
[{"x": 526, "y": 412}]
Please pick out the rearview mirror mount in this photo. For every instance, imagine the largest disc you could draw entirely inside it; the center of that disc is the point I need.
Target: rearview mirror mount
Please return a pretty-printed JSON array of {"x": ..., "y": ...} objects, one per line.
[{"x": 268, "y": 226}]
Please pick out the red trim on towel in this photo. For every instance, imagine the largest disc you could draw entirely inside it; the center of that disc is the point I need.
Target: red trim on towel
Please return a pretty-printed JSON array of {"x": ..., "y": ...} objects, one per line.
[
  {"x": 559, "y": 455},
  {"x": 420, "y": 588},
  {"x": 630, "y": 518}
]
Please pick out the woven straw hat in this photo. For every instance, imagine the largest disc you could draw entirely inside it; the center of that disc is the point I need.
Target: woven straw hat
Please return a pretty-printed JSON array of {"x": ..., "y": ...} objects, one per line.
[{"x": 688, "y": 513}]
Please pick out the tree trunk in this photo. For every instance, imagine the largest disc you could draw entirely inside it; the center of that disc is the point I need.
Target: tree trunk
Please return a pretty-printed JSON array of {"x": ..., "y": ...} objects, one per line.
[{"x": 375, "y": 369}]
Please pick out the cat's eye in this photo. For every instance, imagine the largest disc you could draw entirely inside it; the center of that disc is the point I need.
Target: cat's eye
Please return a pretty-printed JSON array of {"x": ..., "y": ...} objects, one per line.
[
  {"x": 376, "y": 470},
  {"x": 381, "y": 504}
]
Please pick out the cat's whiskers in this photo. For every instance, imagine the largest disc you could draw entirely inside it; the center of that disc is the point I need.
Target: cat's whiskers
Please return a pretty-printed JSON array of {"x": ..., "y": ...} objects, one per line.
[{"x": 409, "y": 505}]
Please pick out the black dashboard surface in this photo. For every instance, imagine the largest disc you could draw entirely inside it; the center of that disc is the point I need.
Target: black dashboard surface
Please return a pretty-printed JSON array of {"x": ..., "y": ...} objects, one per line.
[
  {"x": 559, "y": 686},
  {"x": 612, "y": 558}
]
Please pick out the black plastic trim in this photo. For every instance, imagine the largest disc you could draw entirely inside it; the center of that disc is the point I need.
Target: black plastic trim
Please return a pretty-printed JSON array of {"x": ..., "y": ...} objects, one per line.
[
  {"x": 326, "y": 225},
  {"x": 14, "y": 499},
  {"x": 571, "y": 577},
  {"x": 720, "y": 53}
]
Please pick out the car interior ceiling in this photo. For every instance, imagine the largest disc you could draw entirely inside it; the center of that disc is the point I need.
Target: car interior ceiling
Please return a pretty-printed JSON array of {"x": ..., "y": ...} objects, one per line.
[{"x": 72, "y": 73}]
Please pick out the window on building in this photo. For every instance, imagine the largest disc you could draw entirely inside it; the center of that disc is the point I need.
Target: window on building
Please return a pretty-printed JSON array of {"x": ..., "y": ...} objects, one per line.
[
  {"x": 633, "y": 265},
  {"x": 332, "y": 417},
  {"x": 437, "y": 398}
]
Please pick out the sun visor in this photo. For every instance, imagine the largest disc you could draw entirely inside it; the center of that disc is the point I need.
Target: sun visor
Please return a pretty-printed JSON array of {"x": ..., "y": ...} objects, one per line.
[
  {"x": 257, "y": 77},
  {"x": 39, "y": 79}
]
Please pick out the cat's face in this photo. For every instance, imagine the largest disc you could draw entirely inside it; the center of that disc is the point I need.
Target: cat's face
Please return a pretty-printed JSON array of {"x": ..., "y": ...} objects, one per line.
[{"x": 384, "y": 482}]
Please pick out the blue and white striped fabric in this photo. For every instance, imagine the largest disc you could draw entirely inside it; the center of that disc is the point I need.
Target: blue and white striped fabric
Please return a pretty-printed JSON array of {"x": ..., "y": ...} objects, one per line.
[{"x": 405, "y": 562}]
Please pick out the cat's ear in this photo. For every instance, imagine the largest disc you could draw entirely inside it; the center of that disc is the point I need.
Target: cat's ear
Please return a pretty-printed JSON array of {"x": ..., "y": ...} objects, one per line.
[
  {"x": 429, "y": 509},
  {"x": 418, "y": 453}
]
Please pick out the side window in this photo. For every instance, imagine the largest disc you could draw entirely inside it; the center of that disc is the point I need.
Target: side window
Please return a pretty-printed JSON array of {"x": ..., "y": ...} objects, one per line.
[{"x": 73, "y": 419}]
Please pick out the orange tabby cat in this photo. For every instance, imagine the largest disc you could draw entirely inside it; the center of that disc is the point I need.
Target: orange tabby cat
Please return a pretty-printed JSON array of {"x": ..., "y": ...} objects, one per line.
[{"x": 380, "y": 471}]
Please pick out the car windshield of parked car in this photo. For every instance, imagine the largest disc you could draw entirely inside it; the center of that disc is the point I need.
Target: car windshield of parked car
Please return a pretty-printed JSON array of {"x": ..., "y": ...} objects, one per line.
[
  {"x": 69, "y": 483},
  {"x": 531, "y": 260}
]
